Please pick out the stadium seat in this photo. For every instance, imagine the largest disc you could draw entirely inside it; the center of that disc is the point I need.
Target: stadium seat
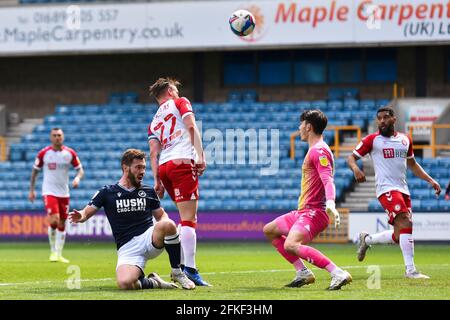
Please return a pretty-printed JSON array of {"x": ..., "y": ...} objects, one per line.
[
  {"x": 234, "y": 96},
  {"x": 334, "y": 105},
  {"x": 264, "y": 204},
  {"x": 241, "y": 193},
  {"x": 222, "y": 187},
  {"x": 303, "y": 105},
  {"x": 335, "y": 94},
  {"x": 375, "y": 206},
  {"x": 249, "y": 96},
  {"x": 258, "y": 194},
  {"x": 429, "y": 205},
  {"x": 367, "y": 104},
  {"x": 213, "y": 204},
  {"x": 382, "y": 102},
  {"x": 222, "y": 194},
  {"x": 351, "y": 104},
  {"x": 444, "y": 205},
  {"x": 350, "y": 93},
  {"x": 319, "y": 104},
  {"x": 291, "y": 194},
  {"x": 247, "y": 204}
]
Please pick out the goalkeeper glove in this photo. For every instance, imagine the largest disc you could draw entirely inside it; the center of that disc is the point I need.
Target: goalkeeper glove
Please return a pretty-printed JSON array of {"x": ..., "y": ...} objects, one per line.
[{"x": 331, "y": 211}]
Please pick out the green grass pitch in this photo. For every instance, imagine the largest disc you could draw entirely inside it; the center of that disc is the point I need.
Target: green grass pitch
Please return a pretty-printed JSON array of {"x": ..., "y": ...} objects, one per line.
[{"x": 238, "y": 271}]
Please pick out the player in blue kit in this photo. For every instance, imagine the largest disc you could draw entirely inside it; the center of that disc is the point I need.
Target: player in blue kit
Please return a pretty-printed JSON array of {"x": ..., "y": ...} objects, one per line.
[{"x": 130, "y": 207}]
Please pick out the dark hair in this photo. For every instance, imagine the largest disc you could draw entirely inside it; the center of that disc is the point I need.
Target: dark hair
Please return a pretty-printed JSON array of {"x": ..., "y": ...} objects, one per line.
[
  {"x": 316, "y": 118},
  {"x": 161, "y": 85},
  {"x": 56, "y": 129},
  {"x": 388, "y": 109},
  {"x": 130, "y": 154}
]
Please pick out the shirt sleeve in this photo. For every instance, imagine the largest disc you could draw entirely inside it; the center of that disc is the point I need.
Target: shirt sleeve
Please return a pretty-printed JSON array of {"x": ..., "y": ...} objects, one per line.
[
  {"x": 410, "y": 153},
  {"x": 184, "y": 106},
  {"x": 150, "y": 133},
  {"x": 155, "y": 202},
  {"x": 323, "y": 162},
  {"x": 98, "y": 200},
  {"x": 76, "y": 163},
  {"x": 364, "y": 147},
  {"x": 39, "y": 162}
]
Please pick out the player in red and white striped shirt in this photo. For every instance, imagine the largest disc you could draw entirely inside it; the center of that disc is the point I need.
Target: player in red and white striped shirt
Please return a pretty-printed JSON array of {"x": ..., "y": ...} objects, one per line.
[
  {"x": 56, "y": 160},
  {"x": 392, "y": 153},
  {"x": 177, "y": 160}
]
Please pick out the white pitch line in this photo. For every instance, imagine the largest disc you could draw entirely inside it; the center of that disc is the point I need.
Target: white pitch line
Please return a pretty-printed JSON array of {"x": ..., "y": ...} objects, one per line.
[{"x": 214, "y": 273}]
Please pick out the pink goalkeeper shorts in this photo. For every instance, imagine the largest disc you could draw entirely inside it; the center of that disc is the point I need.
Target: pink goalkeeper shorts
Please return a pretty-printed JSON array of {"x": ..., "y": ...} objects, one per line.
[{"x": 310, "y": 222}]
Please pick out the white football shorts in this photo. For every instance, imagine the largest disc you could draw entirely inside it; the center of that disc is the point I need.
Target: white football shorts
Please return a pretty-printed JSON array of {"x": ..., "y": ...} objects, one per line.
[{"x": 138, "y": 250}]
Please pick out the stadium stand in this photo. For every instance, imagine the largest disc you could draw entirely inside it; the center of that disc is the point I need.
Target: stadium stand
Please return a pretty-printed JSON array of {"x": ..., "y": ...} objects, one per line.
[{"x": 100, "y": 133}]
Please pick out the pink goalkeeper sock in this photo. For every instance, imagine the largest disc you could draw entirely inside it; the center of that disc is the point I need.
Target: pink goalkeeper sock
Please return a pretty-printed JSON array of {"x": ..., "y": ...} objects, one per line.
[
  {"x": 316, "y": 258},
  {"x": 278, "y": 243}
]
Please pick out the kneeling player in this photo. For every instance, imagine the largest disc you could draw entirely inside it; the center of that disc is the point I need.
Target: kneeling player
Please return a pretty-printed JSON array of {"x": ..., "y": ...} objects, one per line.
[{"x": 130, "y": 206}]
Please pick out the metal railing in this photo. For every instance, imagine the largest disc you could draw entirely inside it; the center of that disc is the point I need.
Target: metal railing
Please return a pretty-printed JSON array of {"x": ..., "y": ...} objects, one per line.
[
  {"x": 433, "y": 146},
  {"x": 336, "y": 147},
  {"x": 332, "y": 235},
  {"x": 2, "y": 148}
]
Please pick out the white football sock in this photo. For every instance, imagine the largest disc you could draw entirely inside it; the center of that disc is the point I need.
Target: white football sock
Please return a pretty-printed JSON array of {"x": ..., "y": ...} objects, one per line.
[
  {"x": 51, "y": 239},
  {"x": 407, "y": 246},
  {"x": 188, "y": 239},
  {"x": 381, "y": 237},
  {"x": 60, "y": 240},
  {"x": 182, "y": 254}
]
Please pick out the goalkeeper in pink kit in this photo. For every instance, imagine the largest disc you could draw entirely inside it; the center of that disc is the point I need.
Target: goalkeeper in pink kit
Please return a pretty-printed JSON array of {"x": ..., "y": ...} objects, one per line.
[{"x": 290, "y": 233}]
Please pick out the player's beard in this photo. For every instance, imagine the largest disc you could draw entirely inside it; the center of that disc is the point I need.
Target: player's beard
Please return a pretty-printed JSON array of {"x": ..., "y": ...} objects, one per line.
[
  {"x": 134, "y": 181},
  {"x": 387, "y": 131}
]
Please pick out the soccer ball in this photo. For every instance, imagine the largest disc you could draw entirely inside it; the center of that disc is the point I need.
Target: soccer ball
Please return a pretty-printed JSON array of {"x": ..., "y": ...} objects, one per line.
[{"x": 242, "y": 23}]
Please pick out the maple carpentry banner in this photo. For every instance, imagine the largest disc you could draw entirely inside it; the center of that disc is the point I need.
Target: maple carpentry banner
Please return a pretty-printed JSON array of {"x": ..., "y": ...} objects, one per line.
[{"x": 204, "y": 25}]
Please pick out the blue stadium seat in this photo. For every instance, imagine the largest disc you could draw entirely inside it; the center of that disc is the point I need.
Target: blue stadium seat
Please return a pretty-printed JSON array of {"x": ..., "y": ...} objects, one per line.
[
  {"x": 275, "y": 194},
  {"x": 335, "y": 105},
  {"x": 249, "y": 96},
  {"x": 234, "y": 96},
  {"x": 291, "y": 194},
  {"x": 444, "y": 205},
  {"x": 421, "y": 193},
  {"x": 351, "y": 104},
  {"x": 335, "y": 94},
  {"x": 359, "y": 122},
  {"x": 282, "y": 204},
  {"x": 208, "y": 194},
  {"x": 416, "y": 205},
  {"x": 265, "y": 204},
  {"x": 444, "y": 163},
  {"x": 382, "y": 102},
  {"x": 222, "y": 194},
  {"x": 234, "y": 183},
  {"x": 375, "y": 206},
  {"x": 344, "y": 115},
  {"x": 258, "y": 193},
  {"x": 350, "y": 93},
  {"x": 319, "y": 104},
  {"x": 241, "y": 193},
  {"x": 247, "y": 204},
  {"x": 303, "y": 105},
  {"x": 213, "y": 204},
  {"x": 440, "y": 172},
  {"x": 367, "y": 104},
  {"x": 429, "y": 205}
]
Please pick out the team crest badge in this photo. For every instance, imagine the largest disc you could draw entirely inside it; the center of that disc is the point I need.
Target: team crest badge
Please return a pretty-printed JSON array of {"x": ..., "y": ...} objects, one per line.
[
  {"x": 142, "y": 194},
  {"x": 324, "y": 161}
]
